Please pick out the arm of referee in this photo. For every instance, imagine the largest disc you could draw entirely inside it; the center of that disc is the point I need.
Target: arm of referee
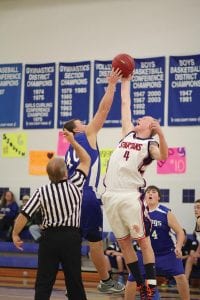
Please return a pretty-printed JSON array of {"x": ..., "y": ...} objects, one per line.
[{"x": 83, "y": 156}]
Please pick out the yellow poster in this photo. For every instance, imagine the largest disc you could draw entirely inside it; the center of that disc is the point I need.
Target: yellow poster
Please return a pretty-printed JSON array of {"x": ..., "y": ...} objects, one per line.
[
  {"x": 14, "y": 144},
  {"x": 38, "y": 161},
  {"x": 105, "y": 155}
]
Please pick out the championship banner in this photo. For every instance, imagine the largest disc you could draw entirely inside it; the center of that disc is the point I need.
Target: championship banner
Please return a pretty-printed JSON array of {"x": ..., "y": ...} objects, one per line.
[
  {"x": 10, "y": 93},
  {"x": 101, "y": 71},
  {"x": 14, "y": 144},
  {"x": 175, "y": 163},
  {"x": 184, "y": 91},
  {"x": 39, "y": 96},
  {"x": 73, "y": 92},
  {"x": 148, "y": 88}
]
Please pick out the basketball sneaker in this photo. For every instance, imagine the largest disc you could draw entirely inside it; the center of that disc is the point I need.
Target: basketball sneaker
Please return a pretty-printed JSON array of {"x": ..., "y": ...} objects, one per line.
[
  {"x": 110, "y": 286},
  {"x": 142, "y": 291},
  {"x": 150, "y": 292}
]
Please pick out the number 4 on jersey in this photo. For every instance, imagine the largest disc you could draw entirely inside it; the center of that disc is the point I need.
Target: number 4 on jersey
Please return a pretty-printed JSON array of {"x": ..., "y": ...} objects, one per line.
[{"x": 126, "y": 154}]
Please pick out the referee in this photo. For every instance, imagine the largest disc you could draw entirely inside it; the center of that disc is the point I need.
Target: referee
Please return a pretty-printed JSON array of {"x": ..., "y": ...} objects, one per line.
[{"x": 60, "y": 203}]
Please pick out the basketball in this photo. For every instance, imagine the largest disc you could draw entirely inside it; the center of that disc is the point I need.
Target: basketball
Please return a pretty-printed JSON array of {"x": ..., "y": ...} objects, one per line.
[{"x": 125, "y": 63}]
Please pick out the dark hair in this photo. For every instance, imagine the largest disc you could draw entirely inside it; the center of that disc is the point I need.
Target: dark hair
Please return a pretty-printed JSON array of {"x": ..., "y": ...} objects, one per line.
[
  {"x": 3, "y": 197},
  {"x": 153, "y": 187},
  {"x": 197, "y": 201},
  {"x": 70, "y": 125}
]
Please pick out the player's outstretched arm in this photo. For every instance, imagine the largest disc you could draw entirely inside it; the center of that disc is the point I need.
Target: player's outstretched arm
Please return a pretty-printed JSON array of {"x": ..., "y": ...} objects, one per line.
[
  {"x": 126, "y": 115},
  {"x": 104, "y": 107},
  {"x": 83, "y": 156}
]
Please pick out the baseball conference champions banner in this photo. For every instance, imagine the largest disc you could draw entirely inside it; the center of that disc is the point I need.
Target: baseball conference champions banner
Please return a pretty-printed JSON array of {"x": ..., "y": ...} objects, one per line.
[
  {"x": 184, "y": 91},
  {"x": 10, "y": 93},
  {"x": 148, "y": 88},
  {"x": 39, "y": 96},
  {"x": 73, "y": 92},
  {"x": 101, "y": 71}
]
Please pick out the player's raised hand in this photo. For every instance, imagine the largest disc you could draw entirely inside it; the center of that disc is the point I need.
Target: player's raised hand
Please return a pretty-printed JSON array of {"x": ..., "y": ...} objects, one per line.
[
  {"x": 114, "y": 76},
  {"x": 68, "y": 135}
]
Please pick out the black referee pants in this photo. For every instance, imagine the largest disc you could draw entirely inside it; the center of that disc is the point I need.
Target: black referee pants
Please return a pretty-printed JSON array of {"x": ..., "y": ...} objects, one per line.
[{"x": 59, "y": 245}]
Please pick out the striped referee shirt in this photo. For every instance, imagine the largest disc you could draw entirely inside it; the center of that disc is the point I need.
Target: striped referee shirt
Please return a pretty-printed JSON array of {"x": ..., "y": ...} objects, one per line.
[{"x": 60, "y": 203}]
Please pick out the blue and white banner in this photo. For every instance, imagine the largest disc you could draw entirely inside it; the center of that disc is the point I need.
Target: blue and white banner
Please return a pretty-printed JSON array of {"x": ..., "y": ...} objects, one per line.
[
  {"x": 73, "y": 92},
  {"x": 101, "y": 71},
  {"x": 10, "y": 93},
  {"x": 148, "y": 88},
  {"x": 39, "y": 96},
  {"x": 184, "y": 91}
]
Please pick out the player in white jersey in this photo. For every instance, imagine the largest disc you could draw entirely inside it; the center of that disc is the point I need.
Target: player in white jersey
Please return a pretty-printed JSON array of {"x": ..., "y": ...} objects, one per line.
[
  {"x": 194, "y": 257},
  {"x": 122, "y": 199}
]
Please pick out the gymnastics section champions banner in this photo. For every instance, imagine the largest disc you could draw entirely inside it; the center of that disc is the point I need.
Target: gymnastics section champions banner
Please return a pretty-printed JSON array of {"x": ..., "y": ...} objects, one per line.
[
  {"x": 10, "y": 93},
  {"x": 101, "y": 71},
  {"x": 73, "y": 92},
  {"x": 39, "y": 96},
  {"x": 184, "y": 91},
  {"x": 148, "y": 88}
]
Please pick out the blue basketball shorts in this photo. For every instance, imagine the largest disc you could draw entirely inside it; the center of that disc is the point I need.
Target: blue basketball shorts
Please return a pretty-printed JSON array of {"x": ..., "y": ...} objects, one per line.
[
  {"x": 166, "y": 265},
  {"x": 91, "y": 217}
]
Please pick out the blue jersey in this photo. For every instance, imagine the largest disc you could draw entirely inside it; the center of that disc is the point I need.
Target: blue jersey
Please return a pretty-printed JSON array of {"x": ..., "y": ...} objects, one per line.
[
  {"x": 72, "y": 161},
  {"x": 162, "y": 238}
]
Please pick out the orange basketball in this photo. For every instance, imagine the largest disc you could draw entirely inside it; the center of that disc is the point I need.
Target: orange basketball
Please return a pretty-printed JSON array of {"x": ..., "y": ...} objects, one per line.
[{"x": 125, "y": 63}]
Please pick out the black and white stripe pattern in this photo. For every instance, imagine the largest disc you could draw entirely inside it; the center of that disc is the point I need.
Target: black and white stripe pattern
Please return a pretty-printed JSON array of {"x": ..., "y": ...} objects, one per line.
[{"x": 60, "y": 203}]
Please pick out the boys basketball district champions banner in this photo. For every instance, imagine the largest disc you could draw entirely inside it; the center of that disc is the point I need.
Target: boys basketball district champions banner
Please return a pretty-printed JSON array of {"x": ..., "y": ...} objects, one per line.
[
  {"x": 73, "y": 92},
  {"x": 148, "y": 88},
  {"x": 101, "y": 71},
  {"x": 39, "y": 96},
  {"x": 10, "y": 93},
  {"x": 184, "y": 91}
]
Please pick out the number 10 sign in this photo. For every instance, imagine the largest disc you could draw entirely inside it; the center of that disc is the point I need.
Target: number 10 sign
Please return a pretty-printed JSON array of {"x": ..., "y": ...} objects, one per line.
[{"x": 175, "y": 163}]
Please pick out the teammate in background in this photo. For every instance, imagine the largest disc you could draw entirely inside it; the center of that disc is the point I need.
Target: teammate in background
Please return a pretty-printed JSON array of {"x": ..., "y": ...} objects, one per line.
[
  {"x": 122, "y": 201},
  {"x": 167, "y": 252},
  {"x": 91, "y": 213},
  {"x": 194, "y": 257}
]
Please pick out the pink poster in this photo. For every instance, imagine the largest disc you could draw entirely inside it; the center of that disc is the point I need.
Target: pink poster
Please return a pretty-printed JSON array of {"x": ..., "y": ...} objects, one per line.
[
  {"x": 63, "y": 144},
  {"x": 175, "y": 163}
]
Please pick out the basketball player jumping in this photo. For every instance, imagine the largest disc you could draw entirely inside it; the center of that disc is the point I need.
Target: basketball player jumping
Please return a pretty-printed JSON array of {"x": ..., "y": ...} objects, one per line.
[
  {"x": 122, "y": 201},
  {"x": 91, "y": 213}
]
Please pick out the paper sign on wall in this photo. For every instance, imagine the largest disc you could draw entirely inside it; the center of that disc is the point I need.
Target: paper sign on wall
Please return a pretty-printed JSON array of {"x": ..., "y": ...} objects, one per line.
[
  {"x": 105, "y": 156},
  {"x": 14, "y": 144},
  {"x": 62, "y": 145},
  {"x": 175, "y": 163},
  {"x": 38, "y": 161}
]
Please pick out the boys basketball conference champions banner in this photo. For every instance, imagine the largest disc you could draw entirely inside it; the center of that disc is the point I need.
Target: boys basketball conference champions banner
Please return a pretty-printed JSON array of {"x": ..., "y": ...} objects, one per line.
[
  {"x": 39, "y": 96},
  {"x": 184, "y": 91},
  {"x": 73, "y": 92},
  {"x": 148, "y": 88},
  {"x": 10, "y": 93},
  {"x": 102, "y": 70}
]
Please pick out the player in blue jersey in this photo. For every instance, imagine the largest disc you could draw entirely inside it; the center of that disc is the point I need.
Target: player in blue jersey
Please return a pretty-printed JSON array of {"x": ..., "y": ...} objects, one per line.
[
  {"x": 91, "y": 214},
  {"x": 167, "y": 238}
]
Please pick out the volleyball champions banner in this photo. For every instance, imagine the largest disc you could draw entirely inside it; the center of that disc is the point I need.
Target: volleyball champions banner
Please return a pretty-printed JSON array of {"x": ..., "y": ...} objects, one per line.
[
  {"x": 101, "y": 71},
  {"x": 10, "y": 93},
  {"x": 148, "y": 88},
  {"x": 73, "y": 92},
  {"x": 39, "y": 96},
  {"x": 184, "y": 91}
]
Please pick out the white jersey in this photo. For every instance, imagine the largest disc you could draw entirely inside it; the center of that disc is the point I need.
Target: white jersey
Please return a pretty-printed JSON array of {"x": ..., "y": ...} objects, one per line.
[{"x": 127, "y": 164}]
